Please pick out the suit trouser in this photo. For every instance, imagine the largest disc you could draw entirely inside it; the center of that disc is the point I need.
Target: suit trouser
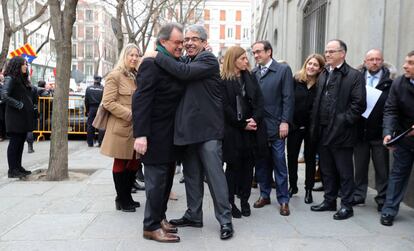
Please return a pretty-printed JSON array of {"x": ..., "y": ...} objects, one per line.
[
  {"x": 90, "y": 130},
  {"x": 338, "y": 173},
  {"x": 205, "y": 159},
  {"x": 158, "y": 182},
  {"x": 15, "y": 150},
  {"x": 399, "y": 177},
  {"x": 294, "y": 142},
  {"x": 380, "y": 158},
  {"x": 276, "y": 162}
]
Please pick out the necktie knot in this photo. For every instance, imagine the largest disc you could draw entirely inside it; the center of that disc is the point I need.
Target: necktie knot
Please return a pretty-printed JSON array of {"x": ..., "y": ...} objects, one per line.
[{"x": 263, "y": 70}]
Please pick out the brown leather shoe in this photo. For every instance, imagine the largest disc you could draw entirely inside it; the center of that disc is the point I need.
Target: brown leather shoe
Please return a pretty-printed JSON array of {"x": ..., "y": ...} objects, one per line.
[
  {"x": 167, "y": 227},
  {"x": 284, "y": 209},
  {"x": 261, "y": 202},
  {"x": 161, "y": 236}
]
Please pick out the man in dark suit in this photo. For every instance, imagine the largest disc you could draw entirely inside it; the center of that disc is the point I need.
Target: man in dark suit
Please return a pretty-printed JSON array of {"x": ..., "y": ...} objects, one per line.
[
  {"x": 199, "y": 126},
  {"x": 398, "y": 117},
  {"x": 369, "y": 143},
  {"x": 154, "y": 105},
  {"x": 276, "y": 82},
  {"x": 340, "y": 101}
]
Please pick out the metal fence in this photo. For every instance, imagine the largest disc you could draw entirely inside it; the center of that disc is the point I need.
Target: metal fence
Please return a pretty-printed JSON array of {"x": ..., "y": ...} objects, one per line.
[{"x": 76, "y": 116}]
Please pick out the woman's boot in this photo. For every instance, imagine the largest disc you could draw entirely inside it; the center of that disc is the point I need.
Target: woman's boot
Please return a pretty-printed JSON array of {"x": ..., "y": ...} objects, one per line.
[{"x": 121, "y": 187}]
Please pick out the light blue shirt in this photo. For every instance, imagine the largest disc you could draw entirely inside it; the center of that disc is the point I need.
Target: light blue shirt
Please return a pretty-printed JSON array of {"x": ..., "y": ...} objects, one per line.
[
  {"x": 412, "y": 81},
  {"x": 372, "y": 80}
]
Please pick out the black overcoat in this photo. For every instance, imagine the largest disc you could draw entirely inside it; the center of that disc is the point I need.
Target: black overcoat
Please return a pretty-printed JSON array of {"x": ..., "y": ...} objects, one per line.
[
  {"x": 15, "y": 93},
  {"x": 348, "y": 105},
  {"x": 237, "y": 140},
  {"x": 154, "y": 105}
]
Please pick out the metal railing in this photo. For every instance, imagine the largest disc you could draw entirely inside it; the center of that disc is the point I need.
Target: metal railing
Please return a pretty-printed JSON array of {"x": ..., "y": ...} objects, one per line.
[{"x": 76, "y": 116}]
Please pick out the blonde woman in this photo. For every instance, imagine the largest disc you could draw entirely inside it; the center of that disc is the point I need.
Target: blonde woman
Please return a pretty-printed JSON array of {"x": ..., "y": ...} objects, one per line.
[
  {"x": 244, "y": 134},
  {"x": 118, "y": 142},
  {"x": 305, "y": 91}
]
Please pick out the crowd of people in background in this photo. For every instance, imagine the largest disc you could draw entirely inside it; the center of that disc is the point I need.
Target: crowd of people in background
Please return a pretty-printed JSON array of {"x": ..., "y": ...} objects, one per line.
[{"x": 203, "y": 112}]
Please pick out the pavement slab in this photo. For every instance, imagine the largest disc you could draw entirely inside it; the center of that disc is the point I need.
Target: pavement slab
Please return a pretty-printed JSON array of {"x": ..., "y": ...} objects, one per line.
[{"x": 81, "y": 215}]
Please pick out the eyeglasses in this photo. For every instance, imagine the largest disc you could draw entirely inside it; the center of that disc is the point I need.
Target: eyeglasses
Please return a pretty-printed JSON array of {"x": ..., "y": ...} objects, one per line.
[
  {"x": 332, "y": 51},
  {"x": 177, "y": 42},
  {"x": 257, "y": 52},
  {"x": 193, "y": 39}
]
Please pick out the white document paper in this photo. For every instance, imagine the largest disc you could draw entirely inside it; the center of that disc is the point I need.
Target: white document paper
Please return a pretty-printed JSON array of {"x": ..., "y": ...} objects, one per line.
[{"x": 373, "y": 95}]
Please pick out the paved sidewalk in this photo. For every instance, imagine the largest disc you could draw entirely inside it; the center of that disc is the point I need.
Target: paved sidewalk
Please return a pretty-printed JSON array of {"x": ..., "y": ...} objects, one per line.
[{"x": 81, "y": 215}]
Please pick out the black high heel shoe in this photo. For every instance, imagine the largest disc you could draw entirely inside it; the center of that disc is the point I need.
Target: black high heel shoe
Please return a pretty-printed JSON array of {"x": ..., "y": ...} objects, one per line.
[
  {"x": 292, "y": 191},
  {"x": 308, "y": 196}
]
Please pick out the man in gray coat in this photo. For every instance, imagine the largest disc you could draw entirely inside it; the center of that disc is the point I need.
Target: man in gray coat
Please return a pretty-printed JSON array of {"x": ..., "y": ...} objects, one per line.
[
  {"x": 276, "y": 82},
  {"x": 199, "y": 127}
]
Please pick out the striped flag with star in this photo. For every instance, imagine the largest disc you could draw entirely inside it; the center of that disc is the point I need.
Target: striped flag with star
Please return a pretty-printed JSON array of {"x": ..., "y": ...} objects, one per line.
[{"x": 25, "y": 49}]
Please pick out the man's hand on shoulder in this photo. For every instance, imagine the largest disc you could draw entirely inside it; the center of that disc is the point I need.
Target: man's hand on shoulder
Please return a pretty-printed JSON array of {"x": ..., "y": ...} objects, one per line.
[{"x": 150, "y": 54}]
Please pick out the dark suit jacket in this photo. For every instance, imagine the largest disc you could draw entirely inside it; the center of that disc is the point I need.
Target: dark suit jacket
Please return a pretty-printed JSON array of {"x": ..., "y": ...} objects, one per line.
[
  {"x": 399, "y": 110},
  {"x": 279, "y": 97},
  {"x": 200, "y": 113},
  {"x": 154, "y": 104}
]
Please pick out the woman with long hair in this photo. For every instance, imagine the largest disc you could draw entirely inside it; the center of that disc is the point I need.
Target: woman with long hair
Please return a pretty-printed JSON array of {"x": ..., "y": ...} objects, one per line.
[
  {"x": 17, "y": 95},
  {"x": 118, "y": 142},
  {"x": 305, "y": 91},
  {"x": 244, "y": 135}
]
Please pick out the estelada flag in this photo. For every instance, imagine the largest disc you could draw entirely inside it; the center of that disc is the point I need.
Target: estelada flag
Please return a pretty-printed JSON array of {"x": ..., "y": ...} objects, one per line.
[{"x": 25, "y": 49}]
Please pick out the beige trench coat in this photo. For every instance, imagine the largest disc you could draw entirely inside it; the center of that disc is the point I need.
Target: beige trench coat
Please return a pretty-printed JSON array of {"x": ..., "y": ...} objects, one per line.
[{"x": 117, "y": 98}]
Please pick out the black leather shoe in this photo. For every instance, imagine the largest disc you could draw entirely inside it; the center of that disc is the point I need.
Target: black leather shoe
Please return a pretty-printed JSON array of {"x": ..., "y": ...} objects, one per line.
[
  {"x": 138, "y": 186},
  {"x": 15, "y": 174},
  {"x": 318, "y": 189},
  {"x": 184, "y": 222},
  {"x": 182, "y": 180},
  {"x": 343, "y": 214},
  {"x": 358, "y": 202},
  {"x": 26, "y": 172},
  {"x": 387, "y": 220},
  {"x": 226, "y": 231},
  {"x": 308, "y": 196},
  {"x": 292, "y": 191},
  {"x": 324, "y": 206}
]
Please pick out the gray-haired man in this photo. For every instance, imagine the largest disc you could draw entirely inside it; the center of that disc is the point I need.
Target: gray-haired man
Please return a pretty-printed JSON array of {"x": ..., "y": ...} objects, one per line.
[{"x": 199, "y": 126}]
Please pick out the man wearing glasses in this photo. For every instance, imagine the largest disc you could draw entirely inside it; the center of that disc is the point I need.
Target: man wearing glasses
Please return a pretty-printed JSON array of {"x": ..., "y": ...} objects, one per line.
[
  {"x": 276, "y": 83},
  {"x": 340, "y": 101},
  {"x": 199, "y": 126}
]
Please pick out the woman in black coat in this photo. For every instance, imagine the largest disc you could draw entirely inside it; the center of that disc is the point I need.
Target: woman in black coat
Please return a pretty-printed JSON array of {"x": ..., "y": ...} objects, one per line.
[
  {"x": 16, "y": 93},
  {"x": 305, "y": 91},
  {"x": 244, "y": 135}
]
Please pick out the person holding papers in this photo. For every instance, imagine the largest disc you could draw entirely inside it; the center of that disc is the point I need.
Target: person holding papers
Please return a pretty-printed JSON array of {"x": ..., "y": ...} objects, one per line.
[
  {"x": 399, "y": 117},
  {"x": 369, "y": 144}
]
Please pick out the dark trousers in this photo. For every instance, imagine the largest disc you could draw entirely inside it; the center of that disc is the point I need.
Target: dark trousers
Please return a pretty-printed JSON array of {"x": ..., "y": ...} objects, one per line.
[
  {"x": 15, "y": 150},
  {"x": 338, "y": 173},
  {"x": 2, "y": 121},
  {"x": 239, "y": 176},
  {"x": 380, "y": 158},
  {"x": 205, "y": 160},
  {"x": 276, "y": 163},
  {"x": 90, "y": 130},
  {"x": 30, "y": 137},
  {"x": 399, "y": 177},
  {"x": 294, "y": 142},
  {"x": 158, "y": 184}
]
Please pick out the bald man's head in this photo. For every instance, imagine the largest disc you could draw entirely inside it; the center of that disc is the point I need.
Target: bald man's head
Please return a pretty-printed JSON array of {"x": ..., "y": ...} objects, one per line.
[{"x": 373, "y": 60}]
